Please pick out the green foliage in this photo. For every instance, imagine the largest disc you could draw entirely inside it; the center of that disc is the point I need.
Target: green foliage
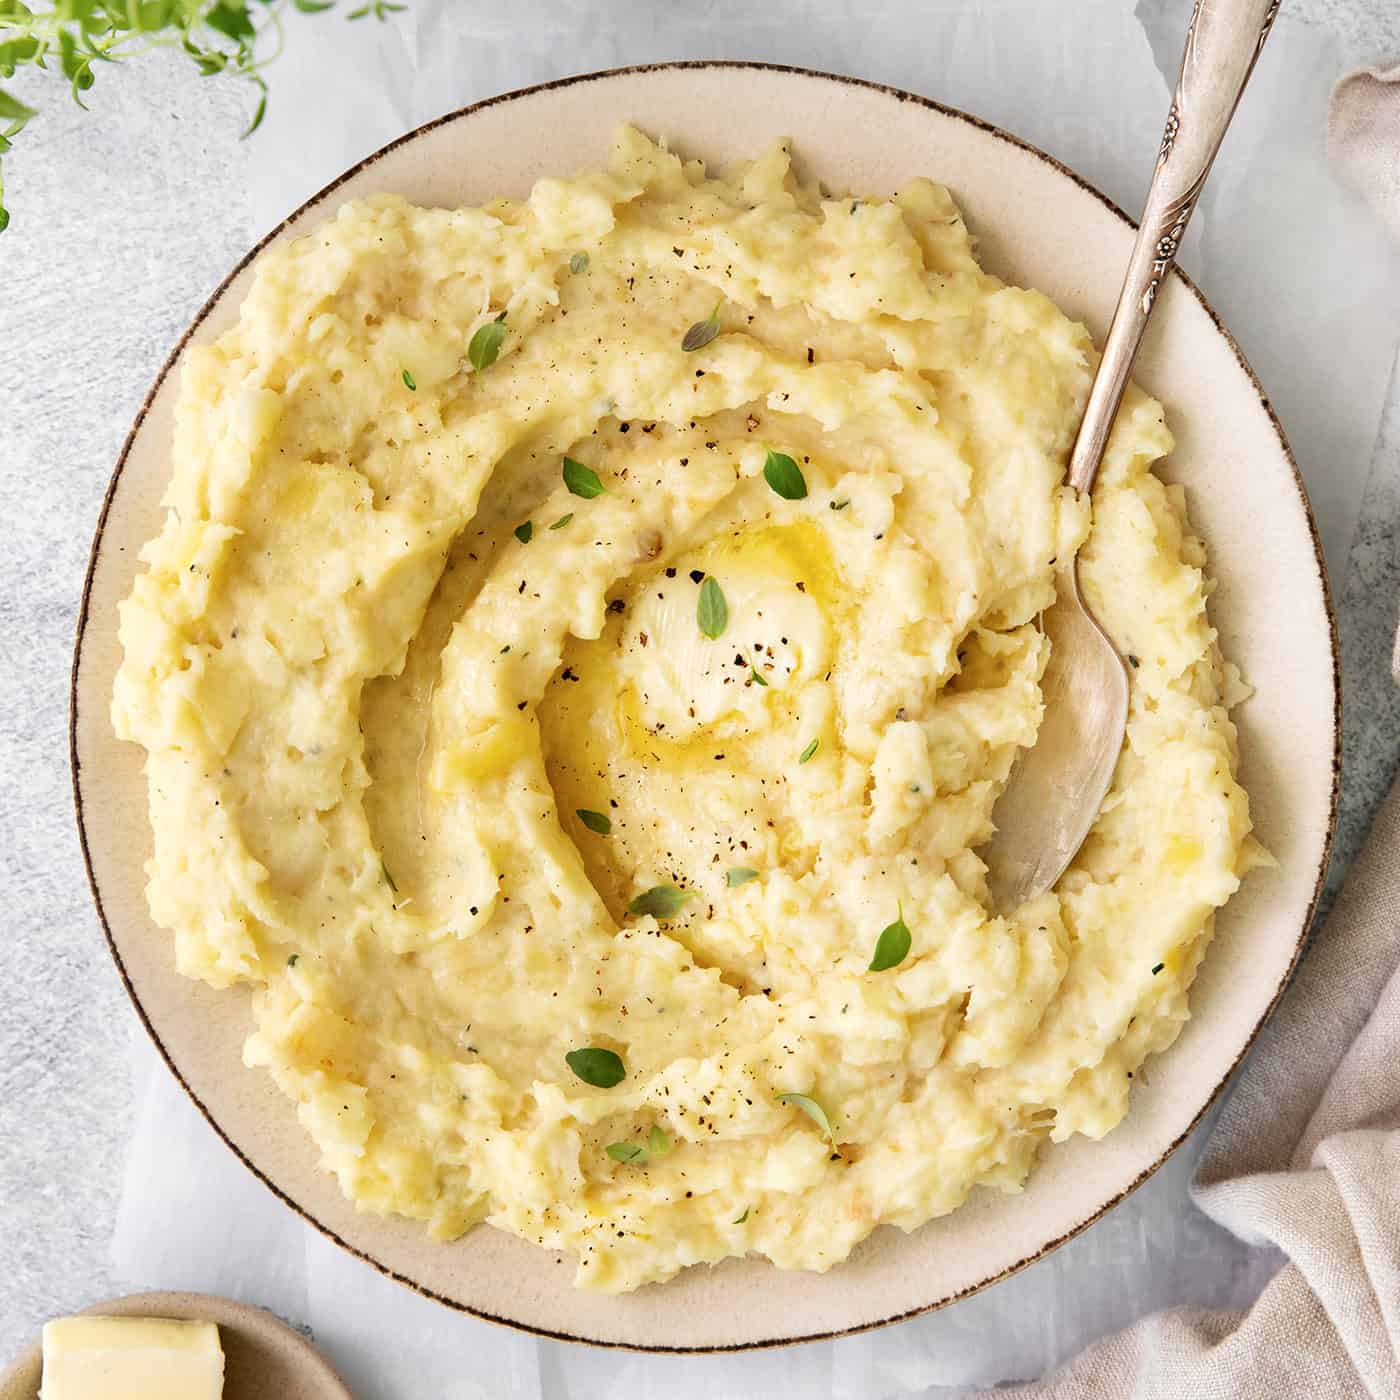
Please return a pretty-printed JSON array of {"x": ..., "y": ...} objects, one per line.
[{"x": 75, "y": 37}]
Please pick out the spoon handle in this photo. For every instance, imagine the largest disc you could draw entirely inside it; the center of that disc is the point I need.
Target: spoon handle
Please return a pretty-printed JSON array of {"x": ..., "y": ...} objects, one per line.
[{"x": 1223, "y": 43}]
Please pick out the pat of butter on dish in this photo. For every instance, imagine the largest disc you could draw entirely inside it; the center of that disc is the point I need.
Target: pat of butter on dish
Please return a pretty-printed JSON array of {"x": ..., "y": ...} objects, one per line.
[{"x": 131, "y": 1358}]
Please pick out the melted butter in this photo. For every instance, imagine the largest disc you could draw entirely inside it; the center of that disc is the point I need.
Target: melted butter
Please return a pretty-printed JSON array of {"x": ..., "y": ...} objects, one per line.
[
  {"x": 783, "y": 594},
  {"x": 636, "y": 723}
]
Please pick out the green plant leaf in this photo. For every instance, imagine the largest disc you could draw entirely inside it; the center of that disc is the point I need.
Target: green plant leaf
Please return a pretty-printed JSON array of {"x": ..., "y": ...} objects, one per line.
[
  {"x": 578, "y": 263},
  {"x": 230, "y": 17},
  {"x": 784, "y": 476},
  {"x": 809, "y": 751},
  {"x": 739, "y": 875},
  {"x": 626, "y": 1151},
  {"x": 892, "y": 946},
  {"x": 757, "y": 675},
  {"x": 486, "y": 344},
  {"x": 409, "y": 381},
  {"x": 712, "y": 609},
  {"x": 562, "y": 521},
  {"x": 595, "y": 821},
  {"x": 582, "y": 481},
  {"x": 702, "y": 332},
  {"x": 813, "y": 1110},
  {"x": 658, "y": 1144},
  {"x": 596, "y": 1066},
  {"x": 660, "y": 901},
  {"x": 524, "y": 531},
  {"x": 739, "y": 1219}
]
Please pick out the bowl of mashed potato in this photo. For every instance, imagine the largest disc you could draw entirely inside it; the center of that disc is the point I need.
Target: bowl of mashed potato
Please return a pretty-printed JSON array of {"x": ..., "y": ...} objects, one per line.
[{"x": 568, "y": 610}]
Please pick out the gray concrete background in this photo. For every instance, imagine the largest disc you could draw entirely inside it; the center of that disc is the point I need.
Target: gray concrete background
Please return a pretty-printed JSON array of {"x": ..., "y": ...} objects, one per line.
[{"x": 125, "y": 218}]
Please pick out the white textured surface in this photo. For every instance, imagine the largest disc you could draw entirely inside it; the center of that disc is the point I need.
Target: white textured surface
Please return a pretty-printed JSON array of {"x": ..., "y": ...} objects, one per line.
[{"x": 127, "y": 217}]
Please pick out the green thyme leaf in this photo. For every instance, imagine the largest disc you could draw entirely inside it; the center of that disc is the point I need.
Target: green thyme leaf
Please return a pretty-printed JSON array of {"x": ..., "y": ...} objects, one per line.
[
  {"x": 582, "y": 481},
  {"x": 757, "y": 675},
  {"x": 626, "y": 1151},
  {"x": 578, "y": 263},
  {"x": 594, "y": 821},
  {"x": 596, "y": 1066},
  {"x": 739, "y": 875},
  {"x": 809, "y": 751},
  {"x": 562, "y": 521},
  {"x": 813, "y": 1110},
  {"x": 658, "y": 1144},
  {"x": 712, "y": 611},
  {"x": 312, "y": 7},
  {"x": 292, "y": 961},
  {"x": 486, "y": 344},
  {"x": 784, "y": 476},
  {"x": 739, "y": 1219},
  {"x": 409, "y": 381},
  {"x": 388, "y": 879},
  {"x": 660, "y": 901},
  {"x": 703, "y": 332},
  {"x": 892, "y": 946},
  {"x": 839, "y": 505},
  {"x": 524, "y": 532}
]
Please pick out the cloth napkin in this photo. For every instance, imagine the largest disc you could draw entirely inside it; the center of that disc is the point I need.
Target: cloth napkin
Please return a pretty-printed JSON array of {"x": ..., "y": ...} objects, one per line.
[{"x": 1306, "y": 1155}]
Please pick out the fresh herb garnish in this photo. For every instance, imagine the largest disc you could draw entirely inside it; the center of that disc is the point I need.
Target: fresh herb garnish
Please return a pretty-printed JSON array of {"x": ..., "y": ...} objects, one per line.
[
  {"x": 711, "y": 610},
  {"x": 808, "y": 751},
  {"x": 562, "y": 521},
  {"x": 292, "y": 961},
  {"x": 1158, "y": 968},
  {"x": 703, "y": 332},
  {"x": 660, "y": 901},
  {"x": 839, "y": 505},
  {"x": 582, "y": 481},
  {"x": 380, "y": 9},
  {"x": 523, "y": 532},
  {"x": 388, "y": 879},
  {"x": 813, "y": 1110},
  {"x": 784, "y": 476},
  {"x": 657, "y": 1145},
  {"x": 757, "y": 675},
  {"x": 892, "y": 946},
  {"x": 594, "y": 821},
  {"x": 739, "y": 1219},
  {"x": 596, "y": 1066},
  {"x": 409, "y": 381},
  {"x": 486, "y": 344},
  {"x": 739, "y": 875},
  {"x": 578, "y": 263}
]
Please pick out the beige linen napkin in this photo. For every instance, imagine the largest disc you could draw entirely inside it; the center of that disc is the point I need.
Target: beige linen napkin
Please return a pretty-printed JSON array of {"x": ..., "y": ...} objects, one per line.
[
  {"x": 1363, "y": 138},
  {"x": 1306, "y": 1155}
]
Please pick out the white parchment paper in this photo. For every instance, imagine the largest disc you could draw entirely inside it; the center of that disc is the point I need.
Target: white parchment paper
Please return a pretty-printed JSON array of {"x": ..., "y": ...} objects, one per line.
[{"x": 1302, "y": 277}]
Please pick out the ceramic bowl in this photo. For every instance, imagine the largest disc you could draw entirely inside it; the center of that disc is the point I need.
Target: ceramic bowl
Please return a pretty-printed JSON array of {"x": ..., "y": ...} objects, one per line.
[{"x": 1038, "y": 225}]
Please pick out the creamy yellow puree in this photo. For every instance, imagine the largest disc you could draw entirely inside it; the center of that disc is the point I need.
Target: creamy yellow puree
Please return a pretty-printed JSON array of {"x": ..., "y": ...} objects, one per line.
[{"x": 374, "y": 704}]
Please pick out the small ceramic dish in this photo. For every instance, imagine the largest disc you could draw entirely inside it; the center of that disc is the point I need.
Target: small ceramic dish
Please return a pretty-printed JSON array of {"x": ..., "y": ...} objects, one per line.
[{"x": 262, "y": 1356}]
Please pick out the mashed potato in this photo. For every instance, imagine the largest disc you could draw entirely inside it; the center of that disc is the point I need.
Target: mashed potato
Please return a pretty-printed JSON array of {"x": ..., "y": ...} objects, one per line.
[{"x": 550, "y": 688}]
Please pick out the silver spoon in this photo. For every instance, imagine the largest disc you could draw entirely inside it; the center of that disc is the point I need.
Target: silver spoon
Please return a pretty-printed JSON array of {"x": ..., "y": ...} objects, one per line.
[{"x": 1057, "y": 787}]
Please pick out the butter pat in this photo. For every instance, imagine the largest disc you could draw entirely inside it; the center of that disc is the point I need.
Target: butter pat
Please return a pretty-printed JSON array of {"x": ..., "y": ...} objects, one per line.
[{"x": 131, "y": 1358}]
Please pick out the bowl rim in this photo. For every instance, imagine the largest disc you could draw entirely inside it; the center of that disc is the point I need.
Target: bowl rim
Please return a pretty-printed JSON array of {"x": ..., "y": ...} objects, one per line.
[{"x": 319, "y": 197}]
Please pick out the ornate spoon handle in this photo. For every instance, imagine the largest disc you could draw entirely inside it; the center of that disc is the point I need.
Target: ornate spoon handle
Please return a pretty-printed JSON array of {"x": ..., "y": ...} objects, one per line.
[{"x": 1223, "y": 43}]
